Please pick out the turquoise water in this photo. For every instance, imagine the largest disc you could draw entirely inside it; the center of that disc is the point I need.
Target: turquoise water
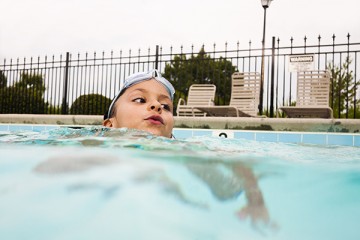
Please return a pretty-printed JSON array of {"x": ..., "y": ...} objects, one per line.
[{"x": 120, "y": 184}]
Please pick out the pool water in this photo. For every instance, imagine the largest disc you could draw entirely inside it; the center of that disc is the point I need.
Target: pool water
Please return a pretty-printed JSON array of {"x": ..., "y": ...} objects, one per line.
[{"x": 95, "y": 183}]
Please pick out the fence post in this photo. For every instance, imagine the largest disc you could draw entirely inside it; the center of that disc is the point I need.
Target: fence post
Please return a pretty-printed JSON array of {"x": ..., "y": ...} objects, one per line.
[
  {"x": 272, "y": 78},
  {"x": 65, "y": 92},
  {"x": 157, "y": 57}
]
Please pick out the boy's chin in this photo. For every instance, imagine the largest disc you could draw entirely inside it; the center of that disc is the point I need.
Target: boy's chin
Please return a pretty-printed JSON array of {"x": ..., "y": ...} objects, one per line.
[{"x": 158, "y": 133}]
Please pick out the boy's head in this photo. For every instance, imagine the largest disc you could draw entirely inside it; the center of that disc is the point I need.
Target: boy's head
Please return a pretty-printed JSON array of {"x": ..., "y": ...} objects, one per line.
[{"x": 144, "y": 102}]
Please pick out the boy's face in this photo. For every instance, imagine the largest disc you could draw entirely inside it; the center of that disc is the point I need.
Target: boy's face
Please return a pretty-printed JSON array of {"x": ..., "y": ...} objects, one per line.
[{"x": 145, "y": 106}]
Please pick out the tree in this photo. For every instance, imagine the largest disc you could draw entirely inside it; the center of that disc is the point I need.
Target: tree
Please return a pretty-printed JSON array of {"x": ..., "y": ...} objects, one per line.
[
  {"x": 25, "y": 96},
  {"x": 3, "y": 80},
  {"x": 343, "y": 90},
  {"x": 183, "y": 72},
  {"x": 90, "y": 104}
]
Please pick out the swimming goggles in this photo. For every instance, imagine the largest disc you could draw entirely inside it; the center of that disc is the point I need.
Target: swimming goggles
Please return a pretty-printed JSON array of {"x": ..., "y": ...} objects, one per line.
[{"x": 138, "y": 78}]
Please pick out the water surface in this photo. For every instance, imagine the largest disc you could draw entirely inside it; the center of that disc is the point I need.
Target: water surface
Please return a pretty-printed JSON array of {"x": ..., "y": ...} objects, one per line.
[{"x": 95, "y": 183}]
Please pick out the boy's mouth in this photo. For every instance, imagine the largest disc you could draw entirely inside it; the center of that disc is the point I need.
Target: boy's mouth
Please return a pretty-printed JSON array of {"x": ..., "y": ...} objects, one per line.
[{"x": 155, "y": 119}]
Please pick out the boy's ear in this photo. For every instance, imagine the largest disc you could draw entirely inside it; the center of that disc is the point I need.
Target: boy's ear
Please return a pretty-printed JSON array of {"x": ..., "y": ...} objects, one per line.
[{"x": 107, "y": 123}]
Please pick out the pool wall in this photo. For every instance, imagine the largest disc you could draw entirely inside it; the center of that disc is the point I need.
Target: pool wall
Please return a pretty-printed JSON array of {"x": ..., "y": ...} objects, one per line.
[{"x": 340, "y": 139}]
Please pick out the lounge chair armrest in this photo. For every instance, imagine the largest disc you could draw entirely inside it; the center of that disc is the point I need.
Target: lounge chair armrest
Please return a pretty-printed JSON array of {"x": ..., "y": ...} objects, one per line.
[{"x": 181, "y": 102}]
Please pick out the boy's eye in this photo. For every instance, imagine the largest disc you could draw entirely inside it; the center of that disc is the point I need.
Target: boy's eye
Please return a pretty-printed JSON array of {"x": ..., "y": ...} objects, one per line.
[
  {"x": 139, "y": 100},
  {"x": 166, "y": 107}
]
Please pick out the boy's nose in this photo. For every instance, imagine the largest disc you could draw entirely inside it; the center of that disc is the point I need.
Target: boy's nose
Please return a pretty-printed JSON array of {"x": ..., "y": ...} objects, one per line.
[{"x": 155, "y": 107}]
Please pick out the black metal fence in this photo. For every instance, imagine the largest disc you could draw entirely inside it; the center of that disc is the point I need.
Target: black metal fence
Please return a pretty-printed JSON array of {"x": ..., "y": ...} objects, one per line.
[{"x": 60, "y": 81}]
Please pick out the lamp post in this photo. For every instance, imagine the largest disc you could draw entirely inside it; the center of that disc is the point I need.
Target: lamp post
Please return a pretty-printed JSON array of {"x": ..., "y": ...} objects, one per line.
[{"x": 265, "y": 4}]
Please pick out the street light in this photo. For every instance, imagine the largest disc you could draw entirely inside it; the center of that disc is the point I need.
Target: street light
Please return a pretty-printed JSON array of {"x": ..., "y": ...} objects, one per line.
[{"x": 265, "y": 4}]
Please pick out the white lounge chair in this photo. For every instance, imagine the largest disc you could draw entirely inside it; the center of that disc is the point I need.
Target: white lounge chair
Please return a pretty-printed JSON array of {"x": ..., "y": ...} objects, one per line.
[
  {"x": 244, "y": 101},
  {"x": 199, "y": 95},
  {"x": 312, "y": 99}
]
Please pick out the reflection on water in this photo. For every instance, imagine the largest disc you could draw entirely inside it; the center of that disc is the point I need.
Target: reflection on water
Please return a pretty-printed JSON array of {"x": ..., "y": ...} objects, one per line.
[{"x": 104, "y": 183}]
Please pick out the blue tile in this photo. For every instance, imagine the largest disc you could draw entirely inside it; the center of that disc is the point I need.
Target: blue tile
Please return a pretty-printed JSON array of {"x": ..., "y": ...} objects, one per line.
[
  {"x": 266, "y": 137},
  {"x": 49, "y": 127},
  {"x": 339, "y": 139},
  {"x": 245, "y": 135},
  {"x": 20, "y": 127},
  {"x": 314, "y": 138},
  {"x": 290, "y": 137},
  {"x": 357, "y": 140},
  {"x": 38, "y": 128},
  {"x": 180, "y": 133},
  {"x": 202, "y": 133},
  {"x": 4, "y": 127}
]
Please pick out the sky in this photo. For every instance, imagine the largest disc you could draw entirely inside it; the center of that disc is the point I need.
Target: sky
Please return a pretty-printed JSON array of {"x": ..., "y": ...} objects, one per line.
[{"x": 32, "y": 28}]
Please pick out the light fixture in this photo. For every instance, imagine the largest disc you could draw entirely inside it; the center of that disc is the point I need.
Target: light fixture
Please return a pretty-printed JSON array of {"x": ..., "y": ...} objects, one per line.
[{"x": 266, "y": 3}]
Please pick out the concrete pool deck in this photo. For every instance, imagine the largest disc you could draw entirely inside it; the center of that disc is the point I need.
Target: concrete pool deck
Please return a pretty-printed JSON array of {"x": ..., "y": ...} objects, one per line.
[{"x": 243, "y": 123}]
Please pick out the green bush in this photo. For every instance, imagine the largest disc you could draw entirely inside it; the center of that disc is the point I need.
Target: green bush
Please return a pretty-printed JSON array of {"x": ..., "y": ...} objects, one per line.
[
  {"x": 22, "y": 100},
  {"x": 90, "y": 104},
  {"x": 25, "y": 96}
]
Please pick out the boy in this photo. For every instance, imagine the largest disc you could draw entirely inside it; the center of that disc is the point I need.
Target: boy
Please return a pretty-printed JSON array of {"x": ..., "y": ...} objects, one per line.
[{"x": 145, "y": 102}]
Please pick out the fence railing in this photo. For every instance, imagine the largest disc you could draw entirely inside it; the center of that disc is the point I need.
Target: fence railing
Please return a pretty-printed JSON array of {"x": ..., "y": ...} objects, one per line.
[{"x": 51, "y": 85}]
